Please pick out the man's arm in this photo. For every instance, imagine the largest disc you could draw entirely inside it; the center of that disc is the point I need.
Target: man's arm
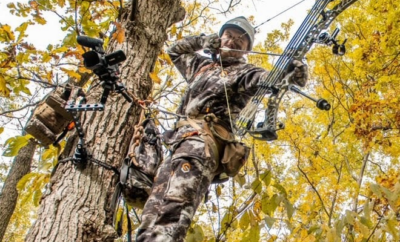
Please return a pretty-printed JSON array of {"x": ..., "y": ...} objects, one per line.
[{"x": 184, "y": 56}]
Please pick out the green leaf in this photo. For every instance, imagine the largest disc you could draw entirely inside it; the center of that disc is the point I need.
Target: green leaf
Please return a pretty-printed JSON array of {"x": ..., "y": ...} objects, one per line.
[
  {"x": 391, "y": 197},
  {"x": 195, "y": 234},
  {"x": 339, "y": 226},
  {"x": 70, "y": 39},
  {"x": 350, "y": 217},
  {"x": 37, "y": 195},
  {"x": 392, "y": 227},
  {"x": 375, "y": 188},
  {"x": 289, "y": 208},
  {"x": 26, "y": 91},
  {"x": 268, "y": 206},
  {"x": 252, "y": 234},
  {"x": 256, "y": 185},
  {"x": 266, "y": 177},
  {"x": 14, "y": 144},
  {"x": 313, "y": 229},
  {"x": 240, "y": 179},
  {"x": 281, "y": 189},
  {"x": 244, "y": 220},
  {"x": 227, "y": 221},
  {"x": 269, "y": 221}
]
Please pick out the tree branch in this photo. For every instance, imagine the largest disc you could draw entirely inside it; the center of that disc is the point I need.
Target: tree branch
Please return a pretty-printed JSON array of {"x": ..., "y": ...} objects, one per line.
[{"x": 19, "y": 109}]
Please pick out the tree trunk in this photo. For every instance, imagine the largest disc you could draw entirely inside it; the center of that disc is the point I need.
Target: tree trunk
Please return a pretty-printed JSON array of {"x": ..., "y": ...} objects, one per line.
[
  {"x": 9, "y": 194},
  {"x": 78, "y": 206}
]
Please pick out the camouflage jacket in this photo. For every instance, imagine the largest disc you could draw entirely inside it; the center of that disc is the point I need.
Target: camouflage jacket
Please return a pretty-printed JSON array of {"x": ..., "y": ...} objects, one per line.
[{"x": 206, "y": 93}]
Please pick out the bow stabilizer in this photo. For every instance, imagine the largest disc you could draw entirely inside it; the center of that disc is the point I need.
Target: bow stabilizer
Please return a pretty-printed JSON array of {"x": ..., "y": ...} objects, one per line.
[{"x": 311, "y": 31}]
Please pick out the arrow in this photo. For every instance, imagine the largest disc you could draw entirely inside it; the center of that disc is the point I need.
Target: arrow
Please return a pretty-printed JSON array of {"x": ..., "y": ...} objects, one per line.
[{"x": 248, "y": 51}]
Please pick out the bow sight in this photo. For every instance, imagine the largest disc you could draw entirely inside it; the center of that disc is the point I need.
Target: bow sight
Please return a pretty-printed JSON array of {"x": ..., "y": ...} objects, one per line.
[{"x": 330, "y": 39}]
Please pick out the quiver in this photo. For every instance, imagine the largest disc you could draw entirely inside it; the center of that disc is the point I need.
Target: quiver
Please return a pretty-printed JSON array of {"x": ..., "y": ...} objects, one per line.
[{"x": 50, "y": 117}]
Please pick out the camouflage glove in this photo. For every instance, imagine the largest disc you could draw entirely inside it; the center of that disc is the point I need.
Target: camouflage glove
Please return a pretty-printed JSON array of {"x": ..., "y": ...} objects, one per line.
[
  {"x": 211, "y": 43},
  {"x": 300, "y": 73}
]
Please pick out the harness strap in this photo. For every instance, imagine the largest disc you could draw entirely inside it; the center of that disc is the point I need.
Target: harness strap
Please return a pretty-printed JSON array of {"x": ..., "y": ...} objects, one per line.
[{"x": 206, "y": 137}]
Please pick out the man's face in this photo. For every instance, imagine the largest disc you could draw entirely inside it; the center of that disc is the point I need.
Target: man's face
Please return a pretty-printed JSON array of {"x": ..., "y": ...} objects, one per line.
[{"x": 233, "y": 38}]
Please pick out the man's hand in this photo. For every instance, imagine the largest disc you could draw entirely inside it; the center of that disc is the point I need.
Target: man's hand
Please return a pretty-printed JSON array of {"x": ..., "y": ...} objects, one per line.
[
  {"x": 211, "y": 43},
  {"x": 300, "y": 73}
]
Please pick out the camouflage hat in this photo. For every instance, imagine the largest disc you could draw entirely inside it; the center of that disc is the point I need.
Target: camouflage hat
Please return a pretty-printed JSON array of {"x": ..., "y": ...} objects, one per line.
[{"x": 242, "y": 24}]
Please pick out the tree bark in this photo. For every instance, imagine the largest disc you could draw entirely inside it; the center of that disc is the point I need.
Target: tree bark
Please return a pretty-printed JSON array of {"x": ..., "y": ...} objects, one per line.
[
  {"x": 9, "y": 194},
  {"x": 77, "y": 207}
]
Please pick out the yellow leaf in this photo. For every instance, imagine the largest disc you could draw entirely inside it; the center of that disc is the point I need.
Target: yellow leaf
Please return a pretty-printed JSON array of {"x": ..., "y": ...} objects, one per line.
[
  {"x": 14, "y": 144},
  {"x": 180, "y": 34},
  {"x": 119, "y": 35},
  {"x": 173, "y": 30},
  {"x": 1, "y": 130},
  {"x": 219, "y": 190},
  {"x": 60, "y": 49},
  {"x": 6, "y": 34},
  {"x": 21, "y": 29},
  {"x": 83, "y": 70},
  {"x": 4, "y": 91},
  {"x": 39, "y": 19},
  {"x": 72, "y": 73},
  {"x": 49, "y": 76},
  {"x": 155, "y": 78},
  {"x": 22, "y": 182},
  {"x": 165, "y": 57},
  {"x": 33, "y": 4}
]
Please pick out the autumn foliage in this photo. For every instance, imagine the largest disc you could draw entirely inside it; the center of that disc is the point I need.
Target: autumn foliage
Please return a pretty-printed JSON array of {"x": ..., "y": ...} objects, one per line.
[{"x": 331, "y": 176}]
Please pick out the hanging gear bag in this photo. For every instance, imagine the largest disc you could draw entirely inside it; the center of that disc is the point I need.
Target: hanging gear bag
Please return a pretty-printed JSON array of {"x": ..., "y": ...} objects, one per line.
[
  {"x": 140, "y": 166},
  {"x": 50, "y": 117}
]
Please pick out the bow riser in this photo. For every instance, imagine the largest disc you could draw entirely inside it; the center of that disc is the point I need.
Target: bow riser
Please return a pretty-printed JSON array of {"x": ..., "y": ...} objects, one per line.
[{"x": 317, "y": 21}]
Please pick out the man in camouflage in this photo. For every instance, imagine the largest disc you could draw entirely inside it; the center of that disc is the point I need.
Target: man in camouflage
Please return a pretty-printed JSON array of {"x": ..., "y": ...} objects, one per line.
[{"x": 221, "y": 87}]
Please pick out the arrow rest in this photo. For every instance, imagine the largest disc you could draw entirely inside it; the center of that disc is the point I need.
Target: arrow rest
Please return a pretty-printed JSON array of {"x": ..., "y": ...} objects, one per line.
[{"x": 266, "y": 130}]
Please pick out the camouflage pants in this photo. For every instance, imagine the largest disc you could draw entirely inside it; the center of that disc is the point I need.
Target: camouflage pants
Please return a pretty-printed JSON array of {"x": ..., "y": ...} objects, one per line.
[{"x": 178, "y": 189}]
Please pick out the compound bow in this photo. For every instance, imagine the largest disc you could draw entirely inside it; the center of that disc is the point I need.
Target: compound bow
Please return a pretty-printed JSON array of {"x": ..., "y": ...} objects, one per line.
[{"x": 310, "y": 31}]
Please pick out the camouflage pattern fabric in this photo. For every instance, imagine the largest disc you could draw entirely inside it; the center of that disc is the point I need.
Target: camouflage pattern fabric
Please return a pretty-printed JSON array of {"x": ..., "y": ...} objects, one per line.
[
  {"x": 143, "y": 164},
  {"x": 184, "y": 177},
  {"x": 181, "y": 182},
  {"x": 207, "y": 93}
]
